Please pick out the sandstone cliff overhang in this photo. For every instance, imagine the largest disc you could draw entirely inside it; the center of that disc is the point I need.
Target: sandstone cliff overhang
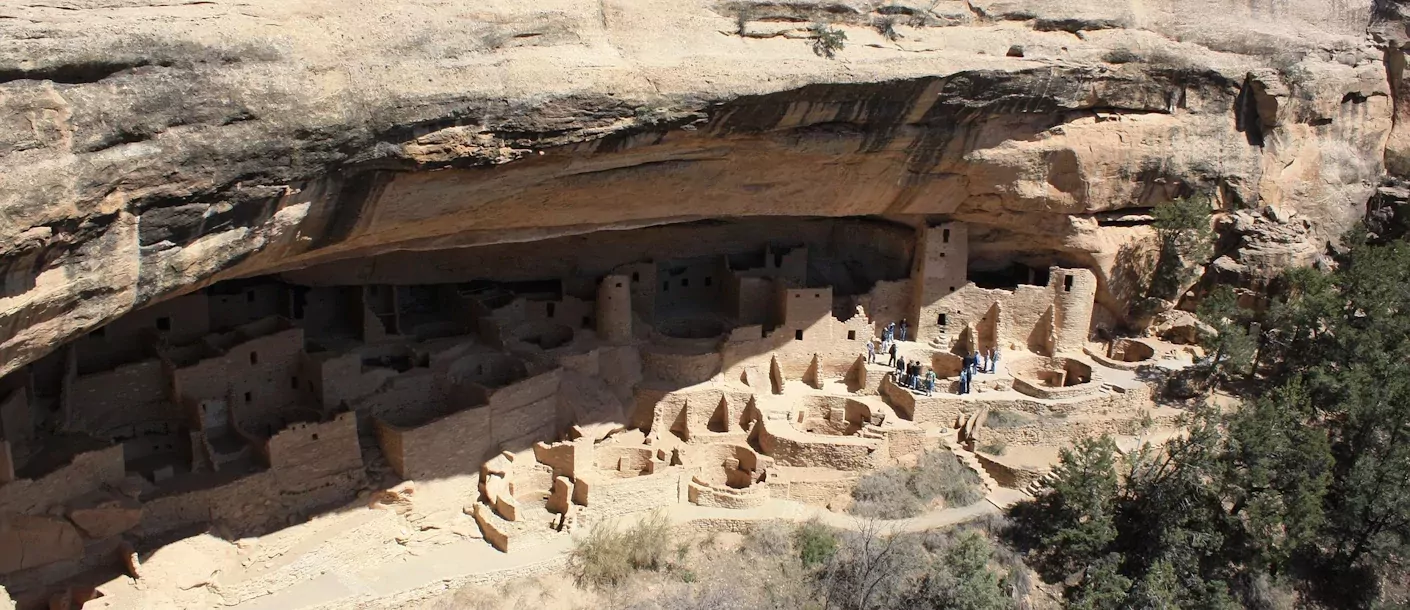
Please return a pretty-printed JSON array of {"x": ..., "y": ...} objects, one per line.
[{"x": 149, "y": 149}]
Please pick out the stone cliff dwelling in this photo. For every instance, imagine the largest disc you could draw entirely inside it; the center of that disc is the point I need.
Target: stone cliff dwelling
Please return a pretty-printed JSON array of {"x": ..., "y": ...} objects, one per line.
[{"x": 535, "y": 387}]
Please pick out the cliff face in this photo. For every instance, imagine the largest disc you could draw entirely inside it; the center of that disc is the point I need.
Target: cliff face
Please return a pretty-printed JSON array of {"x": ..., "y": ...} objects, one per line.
[{"x": 148, "y": 149}]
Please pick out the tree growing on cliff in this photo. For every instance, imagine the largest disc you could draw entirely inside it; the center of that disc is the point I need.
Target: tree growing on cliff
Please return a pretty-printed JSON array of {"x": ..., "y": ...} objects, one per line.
[
  {"x": 1186, "y": 241},
  {"x": 1227, "y": 341},
  {"x": 828, "y": 40}
]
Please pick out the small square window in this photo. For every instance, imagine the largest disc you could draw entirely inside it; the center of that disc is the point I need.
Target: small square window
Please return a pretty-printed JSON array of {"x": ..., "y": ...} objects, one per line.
[
  {"x": 1067, "y": 284},
  {"x": 587, "y": 321},
  {"x": 952, "y": 289},
  {"x": 636, "y": 276},
  {"x": 942, "y": 255},
  {"x": 315, "y": 436},
  {"x": 945, "y": 236},
  {"x": 550, "y": 309},
  {"x": 619, "y": 284},
  {"x": 798, "y": 335},
  {"x": 685, "y": 281},
  {"x": 294, "y": 383},
  {"x": 249, "y": 397},
  {"x": 818, "y": 295},
  {"x": 163, "y": 323},
  {"x": 254, "y": 358},
  {"x": 851, "y": 335},
  {"x": 941, "y": 321},
  {"x": 708, "y": 280},
  {"x": 665, "y": 286},
  {"x": 249, "y": 296}
]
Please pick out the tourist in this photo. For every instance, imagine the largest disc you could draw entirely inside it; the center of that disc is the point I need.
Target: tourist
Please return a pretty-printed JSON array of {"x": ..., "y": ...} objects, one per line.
[
  {"x": 892, "y": 362},
  {"x": 994, "y": 361},
  {"x": 900, "y": 367},
  {"x": 964, "y": 380},
  {"x": 929, "y": 381},
  {"x": 871, "y": 353},
  {"x": 889, "y": 332},
  {"x": 903, "y": 329},
  {"x": 915, "y": 375},
  {"x": 983, "y": 362},
  {"x": 966, "y": 363},
  {"x": 974, "y": 364}
]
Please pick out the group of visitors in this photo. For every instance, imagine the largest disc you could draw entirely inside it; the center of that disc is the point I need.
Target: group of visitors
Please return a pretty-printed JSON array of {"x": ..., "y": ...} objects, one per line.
[
  {"x": 914, "y": 376},
  {"x": 894, "y": 332},
  {"x": 976, "y": 363}
]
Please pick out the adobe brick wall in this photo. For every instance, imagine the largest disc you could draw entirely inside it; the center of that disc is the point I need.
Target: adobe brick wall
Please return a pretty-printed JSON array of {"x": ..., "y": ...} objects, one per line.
[
  {"x": 684, "y": 369},
  {"x": 127, "y": 395},
  {"x": 307, "y": 452},
  {"x": 791, "y": 447},
  {"x": 87, "y": 472},
  {"x": 608, "y": 497},
  {"x": 259, "y": 386}
]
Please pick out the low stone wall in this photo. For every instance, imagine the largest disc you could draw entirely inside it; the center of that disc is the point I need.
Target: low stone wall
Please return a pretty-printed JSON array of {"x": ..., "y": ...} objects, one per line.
[
  {"x": 703, "y": 493},
  {"x": 814, "y": 491},
  {"x": 1038, "y": 390},
  {"x": 607, "y": 497},
  {"x": 682, "y": 368},
  {"x": 1008, "y": 475},
  {"x": 791, "y": 447}
]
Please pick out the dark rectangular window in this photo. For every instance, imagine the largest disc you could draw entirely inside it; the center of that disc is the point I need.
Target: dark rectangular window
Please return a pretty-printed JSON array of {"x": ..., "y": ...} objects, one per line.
[
  {"x": 945, "y": 236},
  {"x": 1067, "y": 284},
  {"x": 294, "y": 383},
  {"x": 249, "y": 397},
  {"x": 249, "y": 296},
  {"x": 665, "y": 286},
  {"x": 619, "y": 284},
  {"x": 254, "y": 358},
  {"x": 798, "y": 334},
  {"x": 707, "y": 280},
  {"x": 587, "y": 321},
  {"x": 851, "y": 335},
  {"x": 163, "y": 323},
  {"x": 550, "y": 310},
  {"x": 685, "y": 281},
  {"x": 941, "y": 321},
  {"x": 636, "y": 276},
  {"x": 952, "y": 289}
]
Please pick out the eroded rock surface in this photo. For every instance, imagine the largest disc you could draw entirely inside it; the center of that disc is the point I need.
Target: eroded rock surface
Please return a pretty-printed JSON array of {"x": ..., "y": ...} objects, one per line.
[{"x": 148, "y": 149}]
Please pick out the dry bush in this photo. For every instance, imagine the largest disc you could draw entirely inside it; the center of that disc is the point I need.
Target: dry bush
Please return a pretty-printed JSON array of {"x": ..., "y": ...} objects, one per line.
[
  {"x": 606, "y": 556},
  {"x": 899, "y": 492}
]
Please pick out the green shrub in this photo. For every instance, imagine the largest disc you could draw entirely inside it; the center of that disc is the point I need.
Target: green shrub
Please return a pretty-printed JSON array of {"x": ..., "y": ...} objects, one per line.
[
  {"x": 606, "y": 556},
  {"x": 816, "y": 543},
  {"x": 828, "y": 40}
]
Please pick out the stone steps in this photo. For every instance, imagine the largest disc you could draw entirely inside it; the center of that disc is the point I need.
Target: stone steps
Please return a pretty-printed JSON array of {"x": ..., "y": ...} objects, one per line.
[
  {"x": 968, "y": 458},
  {"x": 1040, "y": 485}
]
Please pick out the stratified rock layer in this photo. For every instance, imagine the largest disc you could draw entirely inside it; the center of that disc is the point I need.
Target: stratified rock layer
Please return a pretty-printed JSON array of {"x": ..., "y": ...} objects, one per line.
[{"x": 149, "y": 149}]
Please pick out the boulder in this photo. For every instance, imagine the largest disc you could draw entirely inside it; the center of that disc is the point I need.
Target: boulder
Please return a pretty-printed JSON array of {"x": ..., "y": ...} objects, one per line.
[
  {"x": 29, "y": 541},
  {"x": 190, "y": 562},
  {"x": 101, "y": 515}
]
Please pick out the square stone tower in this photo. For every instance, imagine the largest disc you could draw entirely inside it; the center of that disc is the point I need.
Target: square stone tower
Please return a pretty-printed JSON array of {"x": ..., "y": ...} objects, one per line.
[{"x": 940, "y": 268}]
